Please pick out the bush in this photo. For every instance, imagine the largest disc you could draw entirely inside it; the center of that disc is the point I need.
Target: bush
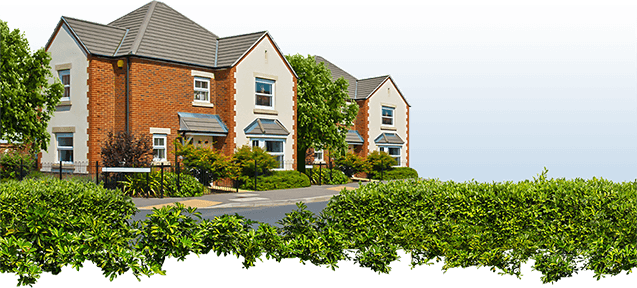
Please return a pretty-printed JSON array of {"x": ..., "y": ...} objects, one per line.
[
  {"x": 127, "y": 150},
  {"x": 336, "y": 177},
  {"x": 205, "y": 163},
  {"x": 10, "y": 163},
  {"x": 276, "y": 180},
  {"x": 138, "y": 184},
  {"x": 397, "y": 173},
  {"x": 351, "y": 164},
  {"x": 244, "y": 157},
  {"x": 379, "y": 161}
]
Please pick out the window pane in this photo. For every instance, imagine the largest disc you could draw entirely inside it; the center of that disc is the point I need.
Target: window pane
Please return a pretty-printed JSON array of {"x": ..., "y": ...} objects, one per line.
[
  {"x": 66, "y": 155},
  {"x": 255, "y": 143},
  {"x": 65, "y": 141},
  {"x": 279, "y": 158},
  {"x": 274, "y": 146},
  {"x": 263, "y": 88},
  {"x": 388, "y": 121},
  {"x": 397, "y": 161},
  {"x": 394, "y": 151},
  {"x": 159, "y": 153},
  {"x": 388, "y": 112},
  {"x": 66, "y": 79},
  {"x": 159, "y": 141},
  {"x": 264, "y": 100},
  {"x": 67, "y": 92}
]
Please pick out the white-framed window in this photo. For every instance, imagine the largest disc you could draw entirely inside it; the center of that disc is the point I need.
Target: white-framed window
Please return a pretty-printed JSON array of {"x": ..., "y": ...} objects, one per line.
[
  {"x": 393, "y": 151},
  {"x": 65, "y": 147},
  {"x": 274, "y": 147},
  {"x": 159, "y": 147},
  {"x": 387, "y": 117},
  {"x": 318, "y": 156},
  {"x": 264, "y": 93},
  {"x": 202, "y": 89},
  {"x": 65, "y": 78}
]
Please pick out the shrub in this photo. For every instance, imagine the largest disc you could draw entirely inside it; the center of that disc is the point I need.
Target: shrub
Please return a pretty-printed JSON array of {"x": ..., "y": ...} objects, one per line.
[
  {"x": 351, "y": 164},
  {"x": 205, "y": 163},
  {"x": 336, "y": 176},
  {"x": 244, "y": 157},
  {"x": 10, "y": 163},
  {"x": 276, "y": 180},
  {"x": 398, "y": 173},
  {"x": 127, "y": 150},
  {"x": 189, "y": 185},
  {"x": 379, "y": 161}
]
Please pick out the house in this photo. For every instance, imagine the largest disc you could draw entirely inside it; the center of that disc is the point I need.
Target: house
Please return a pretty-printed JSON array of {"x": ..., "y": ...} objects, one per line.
[
  {"x": 382, "y": 122},
  {"x": 155, "y": 72}
]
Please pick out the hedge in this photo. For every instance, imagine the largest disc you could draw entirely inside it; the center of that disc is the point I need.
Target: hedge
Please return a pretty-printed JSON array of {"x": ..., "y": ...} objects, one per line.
[
  {"x": 139, "y": 184},
  {"x": 276, "y": 180},
  {"x": 329, "y": 176},
  {"x": 396, "y": 173}
]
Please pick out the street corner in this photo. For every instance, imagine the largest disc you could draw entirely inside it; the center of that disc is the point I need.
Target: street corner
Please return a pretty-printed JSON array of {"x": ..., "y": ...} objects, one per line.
[{"x": 196, "y": 203}]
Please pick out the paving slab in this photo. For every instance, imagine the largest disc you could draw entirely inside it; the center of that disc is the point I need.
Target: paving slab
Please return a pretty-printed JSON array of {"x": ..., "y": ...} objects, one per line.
[{"x": 197, "y": 203}]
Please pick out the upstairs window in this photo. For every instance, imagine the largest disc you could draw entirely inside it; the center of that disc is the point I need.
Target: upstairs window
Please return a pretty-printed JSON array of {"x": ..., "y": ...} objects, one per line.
[
  {"x": 388, "y": 116},
  {"x": 264, "y": 91},
  {"x": 318, "y": 156},
  {"x": 202, "y": 89},
  {"x": 65, "y": 78}
]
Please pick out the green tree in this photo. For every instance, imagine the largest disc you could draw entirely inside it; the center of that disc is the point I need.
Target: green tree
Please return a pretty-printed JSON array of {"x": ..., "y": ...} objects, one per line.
[
  {"x": 28, "y": 100},
  {"x": 324, "y": 116}
]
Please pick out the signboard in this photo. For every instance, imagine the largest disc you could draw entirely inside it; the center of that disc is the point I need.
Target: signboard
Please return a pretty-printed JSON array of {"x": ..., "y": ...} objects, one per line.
[{"x": 126, "y": 169}]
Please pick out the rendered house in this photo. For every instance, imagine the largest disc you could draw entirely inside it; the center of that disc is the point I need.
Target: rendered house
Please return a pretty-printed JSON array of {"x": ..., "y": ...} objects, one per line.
[
  {"x": 155, "y": 72},
  {"x": 382, "y": 122}
]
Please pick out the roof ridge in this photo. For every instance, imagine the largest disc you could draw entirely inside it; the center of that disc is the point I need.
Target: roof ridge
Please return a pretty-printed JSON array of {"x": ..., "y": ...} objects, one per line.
[
  {"x": 86, "y": 21},
  {"x": 246, "y": 34},
  {"x": 109, "y": 24},
  {"x": 193, "y": 22},
  {"x": 383, "y": 76},
  {"x": 142, "y": 28}
]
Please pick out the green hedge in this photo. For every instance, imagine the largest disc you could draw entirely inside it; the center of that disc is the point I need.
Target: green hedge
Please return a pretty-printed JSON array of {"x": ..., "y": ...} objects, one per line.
[
  {"x": 137, "y": 184},
  {"x": 396, "y": 173},
  {"x": 10, "y": 162},
  {"x": 565, "y": 226},
  {"x": 277, "y": 180}
]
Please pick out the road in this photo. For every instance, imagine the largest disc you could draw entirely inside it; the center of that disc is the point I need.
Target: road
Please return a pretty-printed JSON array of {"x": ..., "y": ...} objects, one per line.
[{"x": 268, "y": 215}]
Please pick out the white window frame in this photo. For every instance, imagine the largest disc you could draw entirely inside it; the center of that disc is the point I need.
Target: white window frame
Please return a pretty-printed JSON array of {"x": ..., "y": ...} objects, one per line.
[
  {"x": 159, "y": 147},
  {"x": 65, "y": 148},
  {"x": 398, "y": 156},
  {"x": 321, "y": 159},
  {"x": 198, "y": 89},
  {"x": 256, "y": 94},
  {"x": 262, "y": 145},
  {"x": 60, "y": 74},
  {"x": 393, "y": 113}
]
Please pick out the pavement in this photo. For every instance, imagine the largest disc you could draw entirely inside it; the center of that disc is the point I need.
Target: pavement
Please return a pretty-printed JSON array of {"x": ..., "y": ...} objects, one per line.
[{"x": 314, "y": 193}]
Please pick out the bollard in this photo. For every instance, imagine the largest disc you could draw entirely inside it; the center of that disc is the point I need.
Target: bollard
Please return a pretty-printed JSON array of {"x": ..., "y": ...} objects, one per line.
[
  {"x": 97, "y": 176},
  {"x": 162, "y": 180},
  {"x": 255, "y": 174},
  {"x": 60, "y": 169},
  {"x": 178, "y": 172}
]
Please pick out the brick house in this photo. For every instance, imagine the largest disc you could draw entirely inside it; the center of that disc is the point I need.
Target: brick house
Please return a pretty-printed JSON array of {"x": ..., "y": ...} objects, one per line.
[
  {"x": 382, "y": 122},
  {"x": 153, "y": 71}
]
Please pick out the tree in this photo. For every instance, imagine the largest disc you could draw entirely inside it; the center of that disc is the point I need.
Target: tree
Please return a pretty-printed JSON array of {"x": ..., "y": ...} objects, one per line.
[
  {"x": 324, "y": 116},
  {"x": 28, "y": 100},
  {"x": 127, "y": 150}
]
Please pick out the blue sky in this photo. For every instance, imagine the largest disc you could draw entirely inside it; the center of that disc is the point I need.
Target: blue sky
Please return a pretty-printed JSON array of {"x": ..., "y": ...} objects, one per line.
[{"x": 497, "y": 92}]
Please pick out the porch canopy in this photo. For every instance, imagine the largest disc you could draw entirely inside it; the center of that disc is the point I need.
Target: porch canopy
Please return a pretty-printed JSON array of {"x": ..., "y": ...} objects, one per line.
[
  {"x": 262, "y": 126},
  {"x": 354, "y": 138},
  {"x": 389, "y": 138},
  {"x": 196, "y": 124}
]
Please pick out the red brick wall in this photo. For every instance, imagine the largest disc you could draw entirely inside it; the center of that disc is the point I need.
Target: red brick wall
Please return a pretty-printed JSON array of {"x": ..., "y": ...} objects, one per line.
[
  {"x": 361, "y": 124},
  {"x": 101, "y": 106},
  {"x": 226, "y": 104}
]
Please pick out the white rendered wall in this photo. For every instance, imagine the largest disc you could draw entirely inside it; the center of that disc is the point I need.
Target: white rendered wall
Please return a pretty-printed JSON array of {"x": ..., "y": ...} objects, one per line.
[{"x": 392, "y": 99}]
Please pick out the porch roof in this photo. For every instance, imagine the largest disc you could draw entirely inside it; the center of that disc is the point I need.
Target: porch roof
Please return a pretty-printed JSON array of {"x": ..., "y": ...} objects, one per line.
[{"x": 201, "y": 124}]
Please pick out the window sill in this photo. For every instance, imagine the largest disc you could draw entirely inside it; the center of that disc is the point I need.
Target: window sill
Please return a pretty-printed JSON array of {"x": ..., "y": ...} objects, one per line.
[
  {"x": 387, "y": 128},
  {"x": 202, "y": 104},
  {"x": 65, "y": 103},
  {"x": 64, "y": 165},
  {"x": 265, "y": 111}
]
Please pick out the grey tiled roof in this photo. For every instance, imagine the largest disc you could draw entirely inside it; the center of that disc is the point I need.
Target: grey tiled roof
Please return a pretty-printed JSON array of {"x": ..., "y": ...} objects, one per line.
[
  {"x": 97, "y": 38},
  {"x": 388, "y": 138},
  {"x": 353, "y": 137},
  {"x": 369, "y": 85},
  {"x": 358, "y": 88},
  {"x": 157, "y": 31},
  {"x": 201, "y": 123},
  {"x": 262, "y": 126},
  {"x": 338, "y": 73},
  {"x": 232, "y": 48}
]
